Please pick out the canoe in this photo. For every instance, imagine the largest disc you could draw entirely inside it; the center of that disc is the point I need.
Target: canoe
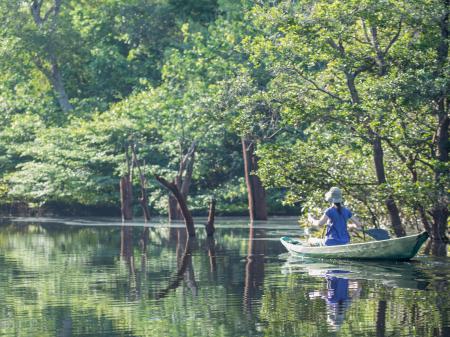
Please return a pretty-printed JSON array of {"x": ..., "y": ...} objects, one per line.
[{"x": 398, "y": 249}]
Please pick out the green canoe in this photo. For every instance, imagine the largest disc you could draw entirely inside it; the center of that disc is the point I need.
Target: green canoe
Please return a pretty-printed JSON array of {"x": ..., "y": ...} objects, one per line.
[{"x": 399, "y": 249}]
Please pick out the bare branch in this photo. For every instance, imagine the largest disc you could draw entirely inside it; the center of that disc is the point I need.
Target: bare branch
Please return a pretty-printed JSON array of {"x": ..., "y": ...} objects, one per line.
[
  {"x": 35, "y": 9},
  {"x": 364, "y": 67},
  {"x": 275, "y": 133},
  {"x": 394, "y": 38},
  {"x": 366, "y": 33},
  {"x": 395, "y": 149}
]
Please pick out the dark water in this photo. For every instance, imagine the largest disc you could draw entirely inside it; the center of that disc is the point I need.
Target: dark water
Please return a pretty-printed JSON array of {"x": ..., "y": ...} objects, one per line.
[{"x": 86, "y": 278}]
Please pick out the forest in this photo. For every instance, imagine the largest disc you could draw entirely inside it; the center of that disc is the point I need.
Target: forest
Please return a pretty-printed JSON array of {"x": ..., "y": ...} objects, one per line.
[{"x": 259, "y": 105}]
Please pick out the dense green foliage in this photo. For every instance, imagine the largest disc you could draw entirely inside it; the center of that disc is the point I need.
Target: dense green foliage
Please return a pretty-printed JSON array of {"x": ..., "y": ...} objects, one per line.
[{"x": 318, "y": 85}]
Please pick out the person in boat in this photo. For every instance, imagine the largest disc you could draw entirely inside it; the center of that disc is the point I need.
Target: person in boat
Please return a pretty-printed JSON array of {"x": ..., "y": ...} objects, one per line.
[{"x": 336, "y": 217}]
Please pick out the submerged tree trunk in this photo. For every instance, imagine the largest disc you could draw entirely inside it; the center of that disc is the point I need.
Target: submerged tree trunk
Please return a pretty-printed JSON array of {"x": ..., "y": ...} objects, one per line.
[
  {"x": 143, "y": 200},
  {"x": 174, "y": 213},
  {"x": 126, "y": 198},
  {"x": 188, "y": 220},
  {"x": 183, "y": 182},
  {"x": 211, "y": 214},
  {"x": 391, "y": 206},
  {"x": 257, "y": 205},
  {"x": 439, "y": 212}
]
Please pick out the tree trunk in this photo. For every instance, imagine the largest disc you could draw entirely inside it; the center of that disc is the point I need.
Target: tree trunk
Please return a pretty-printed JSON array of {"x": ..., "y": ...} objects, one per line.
[
  {"x": 211, "y": 214},
  {"x": 439, "y": 211},
  {"x": 58, "y": 86},
  {"x": 126, "y": 198},
  {"x": 188, "y": 220},
  {"x": 257, "y": 205},
  {"x": 394, "y": 215},
  {"x": 183, "y": 182},
  {"x": 186, "y": 184},
  {"x": 423, "y": 218},
  {"x": 174, "y": 212},
  {"x": 53, "y": 72},
  {"x": 143, "y": 200},
  {"x": 378, "y": 158}
]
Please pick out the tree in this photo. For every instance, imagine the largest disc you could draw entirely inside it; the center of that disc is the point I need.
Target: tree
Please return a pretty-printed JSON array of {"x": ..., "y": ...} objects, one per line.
[{"x": 331, "y": 65}]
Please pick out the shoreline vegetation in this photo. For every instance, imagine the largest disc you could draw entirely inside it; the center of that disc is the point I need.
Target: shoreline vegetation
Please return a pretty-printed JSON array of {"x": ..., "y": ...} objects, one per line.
[
  {"x": 56, "y": 209},
  {"x": 159, "y": 107}
]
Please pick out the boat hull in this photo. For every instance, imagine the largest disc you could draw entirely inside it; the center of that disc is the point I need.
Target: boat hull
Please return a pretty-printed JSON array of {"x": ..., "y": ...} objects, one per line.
[{"x": 398, "y": 249}]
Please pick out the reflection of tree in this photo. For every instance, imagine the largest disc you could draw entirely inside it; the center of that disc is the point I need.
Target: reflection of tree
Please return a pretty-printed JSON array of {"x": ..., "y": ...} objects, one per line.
[
  {"x": 143, "y": 242},
  {"x": 66, "y": 329},
  {"x": 185, "y": 269},
  {"x": 85, "y": 282},
  {"x": 126, "y": 252},
  {"x": 211, "y": 246},
  {"x": 254, "y": 268},
  {"x": 381, "y": 318}
]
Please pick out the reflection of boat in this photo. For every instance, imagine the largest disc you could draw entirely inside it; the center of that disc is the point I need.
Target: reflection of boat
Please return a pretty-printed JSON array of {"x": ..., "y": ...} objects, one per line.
[
  {"x": 399, "y": 249},
  {"x": 391, "y": 274}
]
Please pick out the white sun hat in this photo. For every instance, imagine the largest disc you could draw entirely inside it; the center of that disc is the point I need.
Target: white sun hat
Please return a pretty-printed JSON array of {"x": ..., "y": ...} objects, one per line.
[{"x": 334, "y": 195}]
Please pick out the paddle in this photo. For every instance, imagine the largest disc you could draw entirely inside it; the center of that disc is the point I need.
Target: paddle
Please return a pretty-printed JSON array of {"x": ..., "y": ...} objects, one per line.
[{"x": 378, "y": 233}]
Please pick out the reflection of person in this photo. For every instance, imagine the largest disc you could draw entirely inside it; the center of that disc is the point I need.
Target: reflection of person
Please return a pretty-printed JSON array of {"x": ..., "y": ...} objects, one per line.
[
  {"x": 341, "y": 291},
  {"x": 337, "y": 300},
  {"x": 338, "y": 296},
  {"x": 336, "y": 218}
]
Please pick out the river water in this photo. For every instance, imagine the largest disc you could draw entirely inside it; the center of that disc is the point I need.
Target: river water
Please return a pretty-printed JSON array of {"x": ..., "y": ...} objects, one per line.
[{"x": 95, "y": 277}]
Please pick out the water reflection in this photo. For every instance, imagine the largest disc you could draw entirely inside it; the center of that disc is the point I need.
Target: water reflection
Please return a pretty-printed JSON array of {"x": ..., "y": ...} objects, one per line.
[
  {"x": 211, "y": 248},
  {"x": 152, "y": 280},
  {"x": 254, "y": 267},
  {"x": 381, "y": 318},
  {"x": 185, "y": 269},
  {"x": 401, "y": 302},
  {"x": 410, "y": 275},
  {"x": 338, "y": 297}
]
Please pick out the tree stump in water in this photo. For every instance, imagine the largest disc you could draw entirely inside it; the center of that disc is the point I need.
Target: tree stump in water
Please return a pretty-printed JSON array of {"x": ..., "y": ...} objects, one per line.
[
  {"x": 126, "y": 198},
  {"x": 172, "y": 187},
  {"x": 210, "y": 224}
]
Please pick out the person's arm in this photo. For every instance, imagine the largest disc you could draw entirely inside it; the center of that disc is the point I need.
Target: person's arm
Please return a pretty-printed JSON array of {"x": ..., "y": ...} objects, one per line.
[
  {"x": 316, "y": 223},
  {"x": 356, "y": 224}
]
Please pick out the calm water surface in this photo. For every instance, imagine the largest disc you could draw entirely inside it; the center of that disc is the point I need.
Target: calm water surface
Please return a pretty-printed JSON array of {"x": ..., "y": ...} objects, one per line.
[{"x": 62, "y": 277}]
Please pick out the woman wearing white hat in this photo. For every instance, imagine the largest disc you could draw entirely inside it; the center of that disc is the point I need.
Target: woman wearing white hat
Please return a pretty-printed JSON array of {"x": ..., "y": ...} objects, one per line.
[{"x": 336, "y": 218}]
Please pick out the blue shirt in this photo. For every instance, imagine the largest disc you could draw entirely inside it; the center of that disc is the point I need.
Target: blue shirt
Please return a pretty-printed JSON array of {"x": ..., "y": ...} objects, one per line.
[{"x": 337, "y": 233}]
